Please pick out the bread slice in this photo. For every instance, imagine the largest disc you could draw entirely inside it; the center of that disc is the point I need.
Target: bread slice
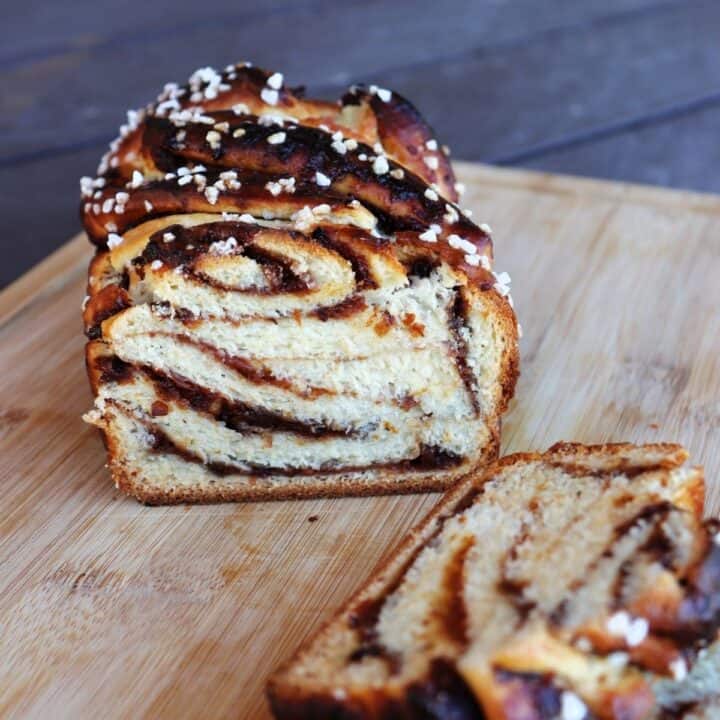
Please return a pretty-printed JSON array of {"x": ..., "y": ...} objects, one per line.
[
  {"x": 286, "y": 300},
  {"x": 556, "y": 585}
]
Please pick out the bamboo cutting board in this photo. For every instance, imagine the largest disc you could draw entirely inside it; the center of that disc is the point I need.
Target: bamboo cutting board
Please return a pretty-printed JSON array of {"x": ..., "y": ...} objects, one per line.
[{"x": 111, "y": 609}]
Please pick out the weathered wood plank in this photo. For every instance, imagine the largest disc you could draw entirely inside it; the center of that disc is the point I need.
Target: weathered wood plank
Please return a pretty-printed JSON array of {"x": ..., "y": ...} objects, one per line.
[
  {"x": 497, "y": 104},
  {"x": 87, "y": 89},
  {"x": 453, "y": 26},
  {"x": 681, "y": 152},
  {"x": 39, "y": 29}
]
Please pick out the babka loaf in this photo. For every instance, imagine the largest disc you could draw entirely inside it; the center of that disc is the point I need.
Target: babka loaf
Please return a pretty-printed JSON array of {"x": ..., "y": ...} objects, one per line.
[
  {"x": 563, "y": 585},
  {"x": 286, "y": 299}
]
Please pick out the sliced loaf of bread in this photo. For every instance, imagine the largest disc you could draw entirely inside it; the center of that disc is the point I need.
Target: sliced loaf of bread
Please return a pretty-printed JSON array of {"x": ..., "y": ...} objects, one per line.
[{"x": 286, "y": 299}]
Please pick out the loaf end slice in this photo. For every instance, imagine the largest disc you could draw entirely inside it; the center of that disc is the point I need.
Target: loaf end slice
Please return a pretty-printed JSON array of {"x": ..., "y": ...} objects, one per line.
[{"x": 564, "y": 584}]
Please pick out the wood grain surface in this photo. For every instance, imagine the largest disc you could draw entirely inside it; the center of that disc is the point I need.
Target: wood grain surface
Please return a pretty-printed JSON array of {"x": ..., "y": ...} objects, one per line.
[{"x": 111, "y": 609}]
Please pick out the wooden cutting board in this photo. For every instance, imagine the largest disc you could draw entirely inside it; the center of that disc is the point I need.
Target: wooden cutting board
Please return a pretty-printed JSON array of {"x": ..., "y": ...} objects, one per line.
[{"x": 111, "y": 609}]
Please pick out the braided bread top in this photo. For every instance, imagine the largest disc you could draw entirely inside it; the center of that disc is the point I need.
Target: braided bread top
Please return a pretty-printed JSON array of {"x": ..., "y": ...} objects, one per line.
[{"x": 242, "y": 144}]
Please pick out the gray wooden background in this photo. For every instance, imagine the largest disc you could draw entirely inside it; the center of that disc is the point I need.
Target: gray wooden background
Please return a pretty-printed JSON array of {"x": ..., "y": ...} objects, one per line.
[{"x": 626, "y": 89}]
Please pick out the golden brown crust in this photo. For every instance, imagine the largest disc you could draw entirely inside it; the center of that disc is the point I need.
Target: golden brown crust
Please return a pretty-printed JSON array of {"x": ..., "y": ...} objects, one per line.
[
  {"x": 407, "y": 137},
  {"x": 506, "y": 322}
]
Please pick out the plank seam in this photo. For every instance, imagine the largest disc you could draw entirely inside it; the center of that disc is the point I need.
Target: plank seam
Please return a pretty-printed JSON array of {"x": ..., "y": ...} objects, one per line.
[
  {"x": 154, "y": 33},
  {"x": 622, "y": 127},
  {"x": 583, "y": 137},
  {"x": 486, "y": 51}
]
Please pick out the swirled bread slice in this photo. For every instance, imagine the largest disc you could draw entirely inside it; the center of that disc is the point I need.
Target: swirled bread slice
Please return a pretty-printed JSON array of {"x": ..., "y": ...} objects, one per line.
[
  {"x": 286, "y": 300},
  {"x": 562, "y": 585}
]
